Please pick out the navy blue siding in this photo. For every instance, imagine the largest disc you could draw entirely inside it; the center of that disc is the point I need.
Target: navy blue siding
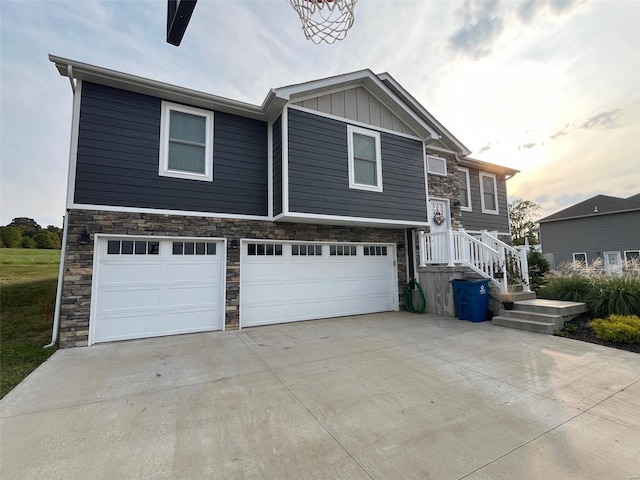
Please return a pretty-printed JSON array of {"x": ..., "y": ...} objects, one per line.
[
  {"x": 118, "y": 150},
  {"x": 475, "y": 219},
  {"x": 319, "y": 173},
  {"x": 277, "y": 166}
]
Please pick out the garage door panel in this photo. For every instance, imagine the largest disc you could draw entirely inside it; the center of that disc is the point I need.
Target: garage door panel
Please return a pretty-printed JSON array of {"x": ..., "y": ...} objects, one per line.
[
  {"x": 315, "y": 286},
  {"x": 111, "y": 273},
  {"x": 147, "y": 295}
]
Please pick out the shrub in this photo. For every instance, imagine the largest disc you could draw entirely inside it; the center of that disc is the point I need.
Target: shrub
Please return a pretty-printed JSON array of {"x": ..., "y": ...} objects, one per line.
[
  {"x": 617, "y": 328},
  {"x": 613, "y": 295},
  {"x": 538, "y": 267}
]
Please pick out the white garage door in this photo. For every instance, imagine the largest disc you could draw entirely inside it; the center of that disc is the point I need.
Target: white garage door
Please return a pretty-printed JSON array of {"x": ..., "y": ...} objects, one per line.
[
  {"x": 148, "y": 287},
  {"x": 287, "y": 282}
]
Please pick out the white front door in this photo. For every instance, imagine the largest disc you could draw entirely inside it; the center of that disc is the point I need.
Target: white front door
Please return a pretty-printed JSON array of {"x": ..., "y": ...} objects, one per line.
[
  {"x": 439, "y": 222},
  {"x": 148, "y": 287},
  {"x": 292, "y": 281},
  {"x": 613, "y": 262}
]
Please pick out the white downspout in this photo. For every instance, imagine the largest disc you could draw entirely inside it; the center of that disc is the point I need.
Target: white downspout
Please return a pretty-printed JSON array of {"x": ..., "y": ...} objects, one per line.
[
  {"x": 65, "y": 232},
  {"x": 63, "y": 255}
]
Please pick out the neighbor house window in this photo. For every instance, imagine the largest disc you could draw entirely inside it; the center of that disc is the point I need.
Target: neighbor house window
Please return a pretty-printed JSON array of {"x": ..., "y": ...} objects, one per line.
[
  {"x": 580, "y": 257},
  {"x": 436, "y": 165},
  {"x": 365, "y": 163},
  {"x": 630, "y": 255},
  {"x": 464, "y": 192},
  {"x": 488, "y": 193},
  {"x": 186, "y": 142}
]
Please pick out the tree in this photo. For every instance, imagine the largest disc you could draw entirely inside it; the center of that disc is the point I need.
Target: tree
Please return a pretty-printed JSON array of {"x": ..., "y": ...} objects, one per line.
[
  {"x": 28, "y": 226},
  {"x": 47, "y": 239},
  {"x": 11, "y": 236},
  {"x": 521, "y": 215}
]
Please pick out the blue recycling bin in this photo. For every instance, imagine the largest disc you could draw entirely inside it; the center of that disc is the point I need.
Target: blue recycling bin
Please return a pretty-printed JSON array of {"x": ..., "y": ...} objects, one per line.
[{"x": 472, "y": 299}]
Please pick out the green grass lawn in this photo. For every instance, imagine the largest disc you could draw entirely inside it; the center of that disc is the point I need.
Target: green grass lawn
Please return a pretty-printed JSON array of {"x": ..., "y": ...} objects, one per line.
[{"x": 27, "y": 299}]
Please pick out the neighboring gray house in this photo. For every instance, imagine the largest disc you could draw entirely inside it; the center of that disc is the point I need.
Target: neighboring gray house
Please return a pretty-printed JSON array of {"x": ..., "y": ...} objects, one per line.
[
  {"x": 189, "y": 212},
  {"x": 601, "y": 227}
]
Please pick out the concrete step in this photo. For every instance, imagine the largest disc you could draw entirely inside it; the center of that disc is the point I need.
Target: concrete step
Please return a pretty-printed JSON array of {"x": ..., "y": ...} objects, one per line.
[
  {"x": 539, "y": 315},
  {"x": 533, "y": 316},
  {"x": 527, "y": 325},
  {"x": 551, "y": 307}
]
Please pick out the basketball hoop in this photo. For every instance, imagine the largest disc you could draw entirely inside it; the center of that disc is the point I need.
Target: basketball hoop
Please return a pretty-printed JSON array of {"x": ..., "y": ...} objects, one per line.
[{"x": 325, "y": 20}]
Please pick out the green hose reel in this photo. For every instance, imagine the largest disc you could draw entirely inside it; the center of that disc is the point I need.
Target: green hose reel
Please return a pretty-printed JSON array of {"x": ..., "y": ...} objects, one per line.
[{"x": 409, "y": 295}]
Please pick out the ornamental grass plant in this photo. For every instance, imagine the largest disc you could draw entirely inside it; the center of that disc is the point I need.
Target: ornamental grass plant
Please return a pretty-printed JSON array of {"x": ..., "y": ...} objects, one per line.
[{"x": 604, "y": 291}]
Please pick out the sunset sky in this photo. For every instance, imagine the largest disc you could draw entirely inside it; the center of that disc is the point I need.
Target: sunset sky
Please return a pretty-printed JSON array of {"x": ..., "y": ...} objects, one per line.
[{"x": 551, "y": 88}]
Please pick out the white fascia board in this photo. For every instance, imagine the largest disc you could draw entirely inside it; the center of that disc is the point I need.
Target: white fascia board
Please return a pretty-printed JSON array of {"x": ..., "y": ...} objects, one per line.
[
  {"x": 406, "y": 96},
  {"x": 166, "y": 91}
]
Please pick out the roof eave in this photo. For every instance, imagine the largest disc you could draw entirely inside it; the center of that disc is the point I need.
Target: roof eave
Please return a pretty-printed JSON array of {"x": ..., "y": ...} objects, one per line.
[{"x": 488, "y": 166}]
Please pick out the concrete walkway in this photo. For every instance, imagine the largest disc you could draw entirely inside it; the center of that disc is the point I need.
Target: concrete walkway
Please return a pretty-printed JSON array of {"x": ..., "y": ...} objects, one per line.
[{"x": 384, "y": 396}]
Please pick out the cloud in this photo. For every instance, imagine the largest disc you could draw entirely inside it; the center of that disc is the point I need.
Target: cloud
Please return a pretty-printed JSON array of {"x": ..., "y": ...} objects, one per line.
[
  {"x": 564, "y": 131},
  {"x": 527, "y": 145},
  {"x": 528, "y": 10},
  {"x": 485, "y": 148},
  {"x": 602, "y": 121},
  {"x": 482, "y": 27}
]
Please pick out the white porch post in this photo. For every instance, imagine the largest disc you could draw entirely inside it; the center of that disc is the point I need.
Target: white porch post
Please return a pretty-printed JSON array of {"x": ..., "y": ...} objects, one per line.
[
  {"x": 450, "y": 247},
  {"x": 524, "y": 267},
  {"x": 502, "y": 257},
  {"x": 422, "y": 249}
]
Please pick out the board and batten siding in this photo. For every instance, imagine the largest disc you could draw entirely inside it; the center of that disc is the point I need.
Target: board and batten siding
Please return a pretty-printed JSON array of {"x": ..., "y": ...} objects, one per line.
[
  {"x": 475, "y": 219},
  {"x": 359, "y": 105},
  {"x": 118, "y": 157},
  {"x": 615, "y": 232},
  {"x": 319, "y": 173},
  {"x": 277, "y": 166}
]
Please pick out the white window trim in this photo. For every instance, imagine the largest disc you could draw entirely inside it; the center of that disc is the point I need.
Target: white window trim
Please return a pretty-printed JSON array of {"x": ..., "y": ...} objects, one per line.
[
  {"x": 163, "y": 168},
  {"x": 630, "y": 251},
  {"x": 495, "y": 189},
  {"x": 465, "y": 171},
  {"x": 375, "y": 135},
  {"x": 444, "y": 162},
  {"x": 586, "y": 259}
]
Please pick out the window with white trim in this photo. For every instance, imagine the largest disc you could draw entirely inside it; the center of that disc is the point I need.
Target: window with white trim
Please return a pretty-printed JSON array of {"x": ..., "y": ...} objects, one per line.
[
  {"x": 264, "y": 249},
  {"x": 186, "y": 142},
  {"x": 302, "y": 250},
  {"x": 580, "y": 257},
  {"x": 132, "y": 247},
  {"x": 436, "y": 165},
  {"x": 365, "y": 162},
  {"x": 489, "y": 193},
  {"x": 342, "y": 250},
  {"x": 464, "y": 190},
  {"x": 630, "y": 255}
]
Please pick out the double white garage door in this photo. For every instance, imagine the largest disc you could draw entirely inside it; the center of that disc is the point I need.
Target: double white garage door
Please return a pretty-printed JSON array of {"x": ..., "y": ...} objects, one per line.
[{"x": 151, "y": 286}]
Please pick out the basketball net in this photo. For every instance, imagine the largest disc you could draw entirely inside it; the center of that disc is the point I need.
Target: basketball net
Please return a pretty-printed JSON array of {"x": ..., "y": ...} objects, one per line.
[{"x": 325, "y": 20}]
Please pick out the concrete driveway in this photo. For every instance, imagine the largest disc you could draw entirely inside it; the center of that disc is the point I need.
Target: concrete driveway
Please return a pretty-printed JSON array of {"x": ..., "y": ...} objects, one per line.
[{"x": 383, "y": 396}]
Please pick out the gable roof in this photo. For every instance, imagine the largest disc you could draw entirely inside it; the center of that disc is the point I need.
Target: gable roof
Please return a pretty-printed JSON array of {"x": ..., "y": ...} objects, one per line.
[
  {"x": 596, "y": 206},
  {"x": 383, "y": 86}
]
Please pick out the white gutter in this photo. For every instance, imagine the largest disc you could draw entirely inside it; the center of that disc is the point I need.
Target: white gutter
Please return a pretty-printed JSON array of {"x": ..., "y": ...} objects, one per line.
[{"x": 63, "y": 255}]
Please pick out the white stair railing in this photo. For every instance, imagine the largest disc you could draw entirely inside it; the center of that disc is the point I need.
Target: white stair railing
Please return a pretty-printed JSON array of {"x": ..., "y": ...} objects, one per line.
[{"x": 484, "y": 254}]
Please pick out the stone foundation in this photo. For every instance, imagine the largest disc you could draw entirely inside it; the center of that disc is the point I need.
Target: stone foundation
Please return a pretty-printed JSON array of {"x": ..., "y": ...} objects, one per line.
[{"x": 78, "y": 270}]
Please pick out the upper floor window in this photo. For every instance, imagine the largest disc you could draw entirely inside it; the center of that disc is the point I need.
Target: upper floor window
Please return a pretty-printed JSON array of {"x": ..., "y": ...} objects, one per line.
[
  {"x": 365, "y": 163},
  {"x": 186, "y": 142},
  {"x": 464, "y": 192},
  {"x": 436, "y": 165},
  {"x": 488, "y": 193}
]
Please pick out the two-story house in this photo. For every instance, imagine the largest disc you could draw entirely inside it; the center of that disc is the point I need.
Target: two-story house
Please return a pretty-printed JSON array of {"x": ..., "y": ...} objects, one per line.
[{"x": 190, "y": 212}]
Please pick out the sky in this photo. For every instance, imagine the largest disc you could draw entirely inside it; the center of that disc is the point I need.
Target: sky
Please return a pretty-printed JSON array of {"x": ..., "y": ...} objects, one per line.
[{"x": 551, "y": 88}]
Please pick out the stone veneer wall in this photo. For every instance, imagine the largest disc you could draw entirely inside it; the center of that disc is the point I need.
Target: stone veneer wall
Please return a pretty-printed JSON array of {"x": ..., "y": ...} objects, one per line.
[
  {"x": 447, "y": 187},
  {"x": 76, "y": 293}
]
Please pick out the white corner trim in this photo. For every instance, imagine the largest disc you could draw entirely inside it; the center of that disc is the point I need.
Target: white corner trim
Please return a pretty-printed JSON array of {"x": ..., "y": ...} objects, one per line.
[
  {"x": 495, "y": 189},
  {"x": 163, "y": 161},
  {"x": 351, "y": 130},
  {"x": 73, "y": 143},
  {"x": 426, "y": 182}
]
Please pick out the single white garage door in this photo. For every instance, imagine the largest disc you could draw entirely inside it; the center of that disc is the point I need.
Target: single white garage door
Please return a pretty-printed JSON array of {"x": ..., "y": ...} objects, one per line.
[
  {"x": 287, "y": 282},
  {"x": 149, "y": 287}
]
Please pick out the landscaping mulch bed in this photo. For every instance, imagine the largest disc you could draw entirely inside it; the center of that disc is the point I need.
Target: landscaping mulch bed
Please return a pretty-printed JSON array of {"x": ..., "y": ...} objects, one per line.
[{"x": 578, "y": 329}]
